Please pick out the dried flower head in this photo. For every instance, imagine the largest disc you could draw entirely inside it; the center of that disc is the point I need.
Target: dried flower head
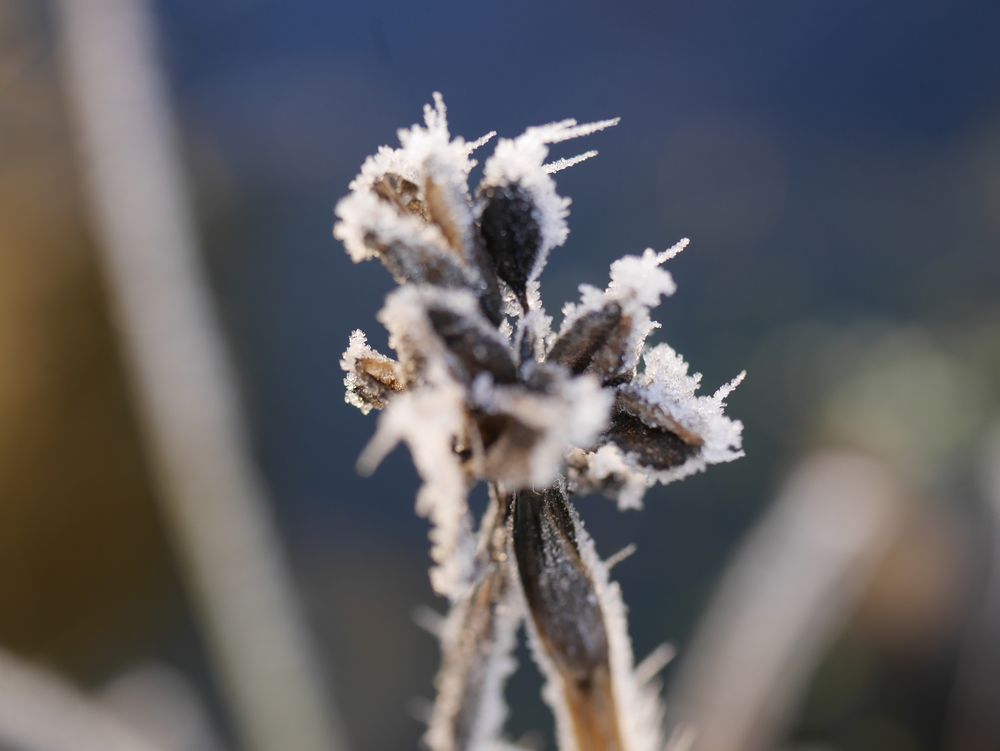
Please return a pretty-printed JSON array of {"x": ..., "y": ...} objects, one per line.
[{"x": 484, "y": 389}]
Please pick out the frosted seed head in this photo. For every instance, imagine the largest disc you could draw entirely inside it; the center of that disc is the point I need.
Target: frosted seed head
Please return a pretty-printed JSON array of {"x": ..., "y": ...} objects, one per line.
[{"x": 476, "y": 396}]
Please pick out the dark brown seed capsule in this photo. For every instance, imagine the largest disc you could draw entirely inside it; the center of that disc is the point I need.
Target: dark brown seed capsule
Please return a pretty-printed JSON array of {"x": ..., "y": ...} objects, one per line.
[
  {"x": 511, "y": 235},
  {"x": 653, "y": 437},
  {"x": 597, "y": 343},
  {"x": 567, "y": 616},
  {"x": 473, "y": 347},
  {"x": 556, "y": 584}
]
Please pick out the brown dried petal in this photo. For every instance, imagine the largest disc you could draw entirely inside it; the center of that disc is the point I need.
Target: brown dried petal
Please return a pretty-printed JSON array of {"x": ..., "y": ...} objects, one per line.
[
  {"x": 401, "y": 193},
  {"x": 439, "y": 213},
  {"x": 376, "y": 380},
  {"x": 372, "y": 378},
  {"x": 432, "y": 207}
]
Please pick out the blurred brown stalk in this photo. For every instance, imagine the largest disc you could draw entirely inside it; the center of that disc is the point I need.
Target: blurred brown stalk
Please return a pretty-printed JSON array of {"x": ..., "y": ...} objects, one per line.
[{"x": 184, "y": 387}]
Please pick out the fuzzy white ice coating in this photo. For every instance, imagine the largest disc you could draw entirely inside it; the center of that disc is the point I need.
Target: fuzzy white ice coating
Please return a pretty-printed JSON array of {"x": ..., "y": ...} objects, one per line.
[
  {"x": 666, "y": 382},
  {"x": 573, "y": 412},
  {"x": 425, "y": 420},
  {"x": 428, "y": 155}
]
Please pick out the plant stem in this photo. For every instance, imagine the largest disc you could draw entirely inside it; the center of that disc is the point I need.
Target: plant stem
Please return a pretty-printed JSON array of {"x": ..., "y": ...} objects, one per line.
[{"x": 212, "y": 496}]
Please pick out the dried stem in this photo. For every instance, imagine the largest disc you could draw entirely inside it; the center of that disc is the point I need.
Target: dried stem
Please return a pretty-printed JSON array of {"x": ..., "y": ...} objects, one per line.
[
  {"x": 790, "y": 588},
  {"x": 476, "y": 641},
  {"x": 975, "y": 725},
  {"x": 212, "y": 496}
]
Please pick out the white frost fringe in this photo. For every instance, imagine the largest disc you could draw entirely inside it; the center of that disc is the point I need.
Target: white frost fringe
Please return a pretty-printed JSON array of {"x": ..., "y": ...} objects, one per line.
[
  {"x": 427, "y": 153},
  {"x": 426, "y": 419},
  {"x": 487, "y": 734}
]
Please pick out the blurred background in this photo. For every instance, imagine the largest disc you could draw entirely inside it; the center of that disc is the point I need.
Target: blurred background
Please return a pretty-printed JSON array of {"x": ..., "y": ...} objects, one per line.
[{"x": 836, "y": 164}]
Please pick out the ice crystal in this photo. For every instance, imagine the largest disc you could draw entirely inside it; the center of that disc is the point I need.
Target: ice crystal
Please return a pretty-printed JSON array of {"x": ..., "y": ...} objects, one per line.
[{"x": 484, "y": 389}]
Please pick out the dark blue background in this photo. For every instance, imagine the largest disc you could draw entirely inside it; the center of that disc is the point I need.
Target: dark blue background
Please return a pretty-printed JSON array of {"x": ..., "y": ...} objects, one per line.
[
  {"x": 834, "y": 162},
  {"x": 830, "y": 160}
]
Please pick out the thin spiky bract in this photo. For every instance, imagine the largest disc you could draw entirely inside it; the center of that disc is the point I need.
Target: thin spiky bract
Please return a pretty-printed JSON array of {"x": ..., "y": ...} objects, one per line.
[{"x": 484, "y": 389}]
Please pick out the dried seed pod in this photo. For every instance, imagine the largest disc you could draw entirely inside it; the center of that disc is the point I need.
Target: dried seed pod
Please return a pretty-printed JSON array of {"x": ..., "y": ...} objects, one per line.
[
  {"x": 661, "y": 431},
  {"x": 372, "y": 378},
  {"x": 445, "y": 327},
  {"x": 511, "y": 235},
  {"x": 577, "y": 622},
  {"x": 566, "y": 616},
  {"x": 473, "y": 346},
  {"x": 415, "y": 263},
  {"x": 521, "y": 217},
  {"x": 599, "y": 342},
  {"x": 607, "y": 329},
  {"x": 644, "y": 431},
  {"x": 410, "y": 208}
]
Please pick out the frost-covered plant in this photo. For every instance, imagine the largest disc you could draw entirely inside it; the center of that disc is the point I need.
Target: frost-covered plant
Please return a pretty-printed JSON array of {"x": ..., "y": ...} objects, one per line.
[{"x": 484, "y": 389}]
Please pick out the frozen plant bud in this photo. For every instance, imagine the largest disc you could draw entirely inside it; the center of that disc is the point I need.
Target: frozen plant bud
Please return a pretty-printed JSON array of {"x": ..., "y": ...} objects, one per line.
[
  {"x": 521, "y": 216},
  {"x": 483, "y": 389}
]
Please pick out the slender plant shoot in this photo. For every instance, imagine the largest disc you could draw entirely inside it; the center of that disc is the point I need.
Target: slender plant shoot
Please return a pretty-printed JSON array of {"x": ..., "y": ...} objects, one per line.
[{"x": 484, "y": 389}]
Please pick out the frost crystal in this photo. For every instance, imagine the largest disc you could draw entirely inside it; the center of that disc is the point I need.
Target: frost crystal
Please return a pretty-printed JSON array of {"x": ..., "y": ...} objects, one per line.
[{"x": 483, "y": 389}]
